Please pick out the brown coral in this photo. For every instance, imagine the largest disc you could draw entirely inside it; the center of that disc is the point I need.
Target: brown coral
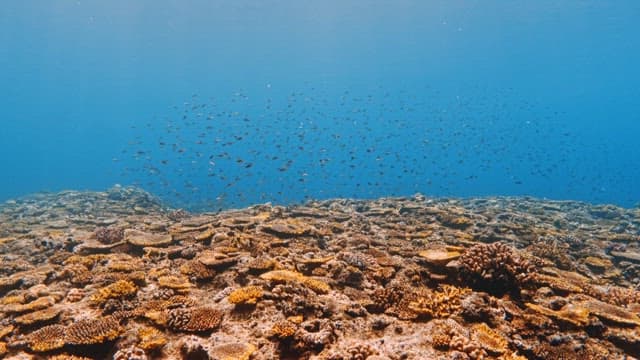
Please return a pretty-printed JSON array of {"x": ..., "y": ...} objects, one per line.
[
  {"x": 198, "y": 319},
  {"x": 92, "y": 331},
  {"x": 38, "y": 316},
  {"x": 47, "y": 338},
  {"x": 494, "y": 267},
  {"x": 109, "y": 234}
]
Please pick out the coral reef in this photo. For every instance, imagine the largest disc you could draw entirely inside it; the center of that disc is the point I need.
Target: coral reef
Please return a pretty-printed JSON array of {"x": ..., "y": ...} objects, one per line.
[{"x": 115, "y": 275}]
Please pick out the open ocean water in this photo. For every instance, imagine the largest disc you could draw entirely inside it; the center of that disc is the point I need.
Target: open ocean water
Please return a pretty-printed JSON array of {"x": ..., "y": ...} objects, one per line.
[{"x": 204, "y": 103}]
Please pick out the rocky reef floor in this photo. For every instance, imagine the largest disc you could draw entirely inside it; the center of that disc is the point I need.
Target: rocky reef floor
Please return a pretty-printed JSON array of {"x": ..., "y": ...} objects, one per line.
[{"x": 115, "y": 275}]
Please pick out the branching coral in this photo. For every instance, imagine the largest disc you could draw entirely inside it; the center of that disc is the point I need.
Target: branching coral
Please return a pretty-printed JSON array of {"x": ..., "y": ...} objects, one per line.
[
  {"x": 437, "y": 304},
  {"x": 495, "y": 267}
]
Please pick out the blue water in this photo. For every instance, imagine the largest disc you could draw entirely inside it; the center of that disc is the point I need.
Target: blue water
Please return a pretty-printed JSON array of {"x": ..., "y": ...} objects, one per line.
[{"x": 350, "y": 98}]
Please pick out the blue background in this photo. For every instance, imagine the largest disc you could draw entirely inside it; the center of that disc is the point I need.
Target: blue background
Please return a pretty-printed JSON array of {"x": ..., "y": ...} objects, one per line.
[{"x": 479, "y": 97}]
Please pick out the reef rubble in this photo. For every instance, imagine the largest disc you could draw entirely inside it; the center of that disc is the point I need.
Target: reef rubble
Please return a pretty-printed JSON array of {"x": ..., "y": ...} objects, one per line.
[{"x": 116, "y": 275}]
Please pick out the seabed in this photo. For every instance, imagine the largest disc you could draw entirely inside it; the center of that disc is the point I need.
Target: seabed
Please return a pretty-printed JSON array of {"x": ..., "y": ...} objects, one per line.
[{"x": 115, "y": 275}]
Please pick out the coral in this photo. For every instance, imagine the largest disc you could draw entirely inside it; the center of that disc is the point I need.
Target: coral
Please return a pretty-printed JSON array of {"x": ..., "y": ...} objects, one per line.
[
  {"x": 246, "y": 295},
  {"x": 233, "y": 351},
  {"x": 38, "y": 316},
  {"x": 611, "y": 313},
  {"x": 354, "y": 352},
  {"x": 198, "y": 319},
  {"x": 489, "y": 339},
  {"x": 283, "y": 329},
  {"x": 92, "y": 331},
  {"x": 577, "y": 316},
  {"x": 439, "y": 257},
  {"x": 621, "y": 296},
  {"x": 75, "y": 295},
  {"x": 563, "y": 285},
  {"x": 47, "y": 338},
  {"x": 179, "y": 284},
  {"x": 313, "y": 336},
  {"x": 552, "y": 250},
  {"x": 67, "y": 357},
  {"x": 318, "y": 286},
  {"x": 178, "y": 215},
  {"x": 216, "y": 259},
  {"x": 119, "y": 289},
  {"x": 38, "y": 304},
  {"x": 6, "y": 330},
  {"x": 3, "y": 348},
  {"x": 286, "y": 228},
  {"x": 197, "y": 270},
  {"x": 260, "y": 265},
  {"x": 109, "y": 234},
  {"x": 150, "y": 338},
  {"x": 143, "y": 239},
  {"x": 386, "y": 297},
  {"x": 494, "y": 267},
  {"x": 438, "y": 304},
  {"x": 130, "y": 353}
]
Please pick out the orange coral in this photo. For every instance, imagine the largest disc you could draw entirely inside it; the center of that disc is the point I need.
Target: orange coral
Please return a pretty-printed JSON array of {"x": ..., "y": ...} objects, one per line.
[
  {"x": 151, "y": 338},
  {"x": 489, "y": 339},
  {"x": 119, "y": 289},
  {"x": 246, "y": 295},
  {"x": 283, "y": 329},
  {"x": 318, "y": 286}
]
